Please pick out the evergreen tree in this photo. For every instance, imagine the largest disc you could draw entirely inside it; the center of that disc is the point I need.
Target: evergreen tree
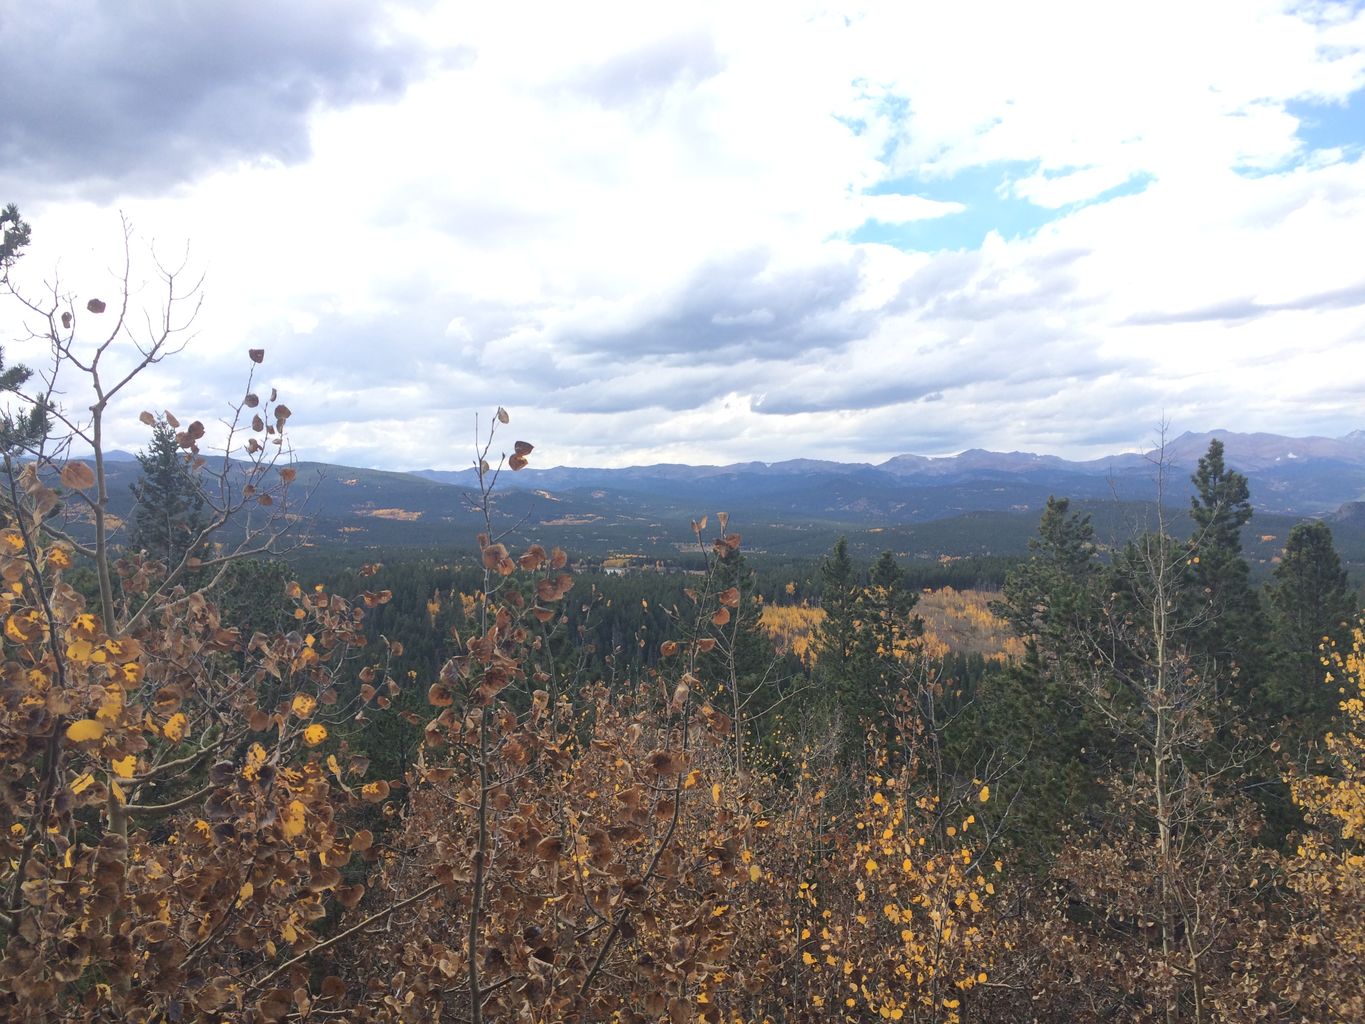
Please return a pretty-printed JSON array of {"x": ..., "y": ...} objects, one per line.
[
  {"x": 833, "y": 639},
  {"x": 1044, "y": 598},
  {"x": 1030, "y": 710},
  {"x": 23, "y": 430},
  {"x": 887, "y": 633},
  {"x": 861, "y": 648},
  {"x": 169, "y": 514},
  {"x": 1229, "y": 639},
  {"x": 1310, "y": 602}
]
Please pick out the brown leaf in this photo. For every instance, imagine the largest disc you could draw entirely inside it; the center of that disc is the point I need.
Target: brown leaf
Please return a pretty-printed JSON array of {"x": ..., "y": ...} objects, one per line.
[
  {"x": 533, "y": 559},
  {"x": 147, "y": 417},
  {"x": 729, "y": 597},
  {"x": 721, "y": 617},
  {"x": 549, "y": 848},
  {"x": 524, "y": 448},
  {"x": 517, "y": 462},
  {"x": 493, "y": 555},
  {"x": 282, "y": 413},
  {"x": 288, "y": 474},
  {"x": 251, "y": 401},
  {"x": 349, "y": 895},
  {"x": 66, "y": 320},
  {"x": 257, "y": 355},
  {"x": 274, "y": 1005},
  {"x": 503, "y": 418},
  {"x": 172, "y": 421},
  {"x": 78, "y": 476},
  {"x": 95, "y": 305}
]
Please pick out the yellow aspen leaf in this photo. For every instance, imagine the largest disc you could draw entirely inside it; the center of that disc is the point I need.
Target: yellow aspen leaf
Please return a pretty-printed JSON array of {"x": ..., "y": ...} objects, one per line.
[
  {"x": 82, "y": 783},
  {"x": 985, "y": 794},
  {"x": 85, "y": 729},
  {"x": 755, "y": 873},
  {"x": 130, "y": 674},
  {"x": 176, "y": 727},
  {"x": 303, "y": 705},
  {"x": 113, "y": 704},
  {"x": 255, "y": 758},
  {"x": 117, "y": 790},
  {"x": 294, "y": 819},
  {"x": 79, "y": 650},
  {"x": 124, "y": 767},
  {"x": 715, "y": 792},
  {"x": 314, "y": 734},
  {"x": 870, "y": 866},
  {"x": 245, "y": 893}
]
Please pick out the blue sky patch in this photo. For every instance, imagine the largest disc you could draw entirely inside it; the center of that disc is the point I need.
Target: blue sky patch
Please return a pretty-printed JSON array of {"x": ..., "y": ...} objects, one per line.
[
  {"x": 990, "y": 206},
  {"x": 1332, "y": 125}
]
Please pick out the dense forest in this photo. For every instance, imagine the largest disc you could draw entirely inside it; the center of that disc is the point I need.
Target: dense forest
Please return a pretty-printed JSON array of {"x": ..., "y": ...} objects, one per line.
[{"x": 240, "y": 782}]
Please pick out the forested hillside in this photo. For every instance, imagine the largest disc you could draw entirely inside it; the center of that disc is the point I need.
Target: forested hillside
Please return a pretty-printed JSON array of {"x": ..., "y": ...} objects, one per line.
[{"x": 1111, "y": 779}]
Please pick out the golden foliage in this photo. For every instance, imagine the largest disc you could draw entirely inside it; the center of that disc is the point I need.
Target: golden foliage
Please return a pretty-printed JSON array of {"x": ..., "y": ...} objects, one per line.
[{"x": 957, "y": 621}]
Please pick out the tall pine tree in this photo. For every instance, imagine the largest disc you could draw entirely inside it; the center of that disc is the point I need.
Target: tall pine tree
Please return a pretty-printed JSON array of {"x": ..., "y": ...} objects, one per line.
[{"x": 1228, "y": 639}]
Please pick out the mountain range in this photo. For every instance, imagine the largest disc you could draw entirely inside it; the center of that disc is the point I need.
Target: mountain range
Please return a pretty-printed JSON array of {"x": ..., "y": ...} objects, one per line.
[{"x": 977, "y": 502}]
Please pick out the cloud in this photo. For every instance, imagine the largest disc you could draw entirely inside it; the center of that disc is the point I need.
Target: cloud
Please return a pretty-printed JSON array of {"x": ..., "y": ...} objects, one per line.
[
  {"x": 712, "y": 233},
  {"x": 108, "y": 99},
  {"x": 644, "y": 71},
  {"x": 1246, "y": 309},
  {"x": 750, "y": 304},
  {"x": 890, "y": 208}
]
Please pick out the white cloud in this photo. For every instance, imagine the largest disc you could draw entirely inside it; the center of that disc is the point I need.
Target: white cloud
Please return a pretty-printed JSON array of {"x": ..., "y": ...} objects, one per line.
[
  {"x": 891, "y": 208},
  {"x": 630, "y": 224}
]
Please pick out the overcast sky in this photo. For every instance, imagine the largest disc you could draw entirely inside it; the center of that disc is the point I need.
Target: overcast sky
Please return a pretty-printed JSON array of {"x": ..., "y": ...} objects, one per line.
[{"x": 711, "y": 233}]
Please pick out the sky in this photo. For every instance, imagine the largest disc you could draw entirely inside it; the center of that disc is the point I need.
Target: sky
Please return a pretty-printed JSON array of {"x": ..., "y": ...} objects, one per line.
[{"x": 708, "y": 233}]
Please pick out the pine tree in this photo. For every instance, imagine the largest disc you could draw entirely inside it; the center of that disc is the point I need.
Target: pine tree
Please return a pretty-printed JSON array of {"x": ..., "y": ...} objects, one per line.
[
  {"x": 1046, "y": 596},
  {"x": 23, "y": 430},
  {"x": 833, "y": 640},
  {"x": 169, "y": 515},
  {"x": 1228, "y": 641},
  {"x": 1310, "y": 602},
  {"x": 1052, "y": 602}
]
